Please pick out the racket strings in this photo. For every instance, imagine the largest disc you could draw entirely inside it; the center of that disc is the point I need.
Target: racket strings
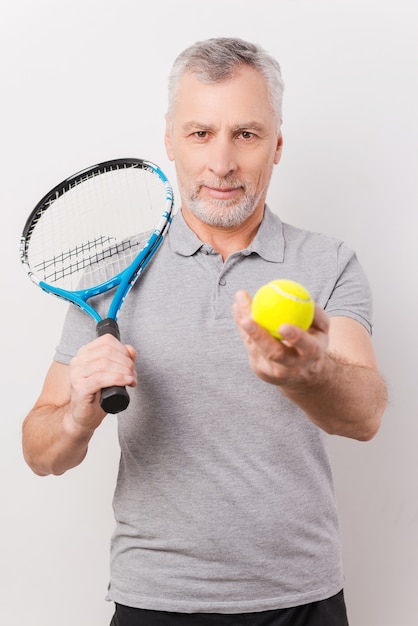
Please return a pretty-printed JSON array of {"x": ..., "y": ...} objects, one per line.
[
  {"x": 92, "y": 230},
  {"x": 85, "y": 256}
]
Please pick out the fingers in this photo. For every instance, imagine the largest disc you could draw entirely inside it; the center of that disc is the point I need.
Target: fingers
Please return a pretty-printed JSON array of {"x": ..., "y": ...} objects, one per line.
[
  {"x": 303, "y": 341},
  {"x": 104, "y": 362},
  {"x": 297, "y": 357},
  {"x": 253, "y": 335}
]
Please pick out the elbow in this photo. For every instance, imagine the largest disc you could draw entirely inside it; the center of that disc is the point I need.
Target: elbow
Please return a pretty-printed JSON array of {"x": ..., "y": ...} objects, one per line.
[
  {"x": 361, "y": 429},
  {"x": 367, "y": 434},
  {"x": 371, "y": 423},
  {"x": 39, "y": 463},
  {"x": 34, "y": 464},
  {"x": 42, "y": 466},
  {"x": 40, "y": 470},
  {"x": 31, "y": 459},
  {"x": 369, "y": 428}
]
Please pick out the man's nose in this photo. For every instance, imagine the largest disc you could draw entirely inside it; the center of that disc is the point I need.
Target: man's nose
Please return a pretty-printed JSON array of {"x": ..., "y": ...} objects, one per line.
[{"x": 222, "y": 157}]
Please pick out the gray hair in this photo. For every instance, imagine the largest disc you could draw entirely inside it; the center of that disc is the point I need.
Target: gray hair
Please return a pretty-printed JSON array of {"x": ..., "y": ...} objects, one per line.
[{"x": 217, "y": 60}]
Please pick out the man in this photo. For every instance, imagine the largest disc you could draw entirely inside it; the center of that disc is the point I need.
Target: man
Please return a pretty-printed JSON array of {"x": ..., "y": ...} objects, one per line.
[{"x": 224, "y": 504}]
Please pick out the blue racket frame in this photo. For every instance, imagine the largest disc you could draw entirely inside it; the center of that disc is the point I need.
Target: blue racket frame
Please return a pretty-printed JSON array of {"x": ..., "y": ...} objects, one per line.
[
  {"x": 123, "y": 281},
  {"x": 113, "y": 399}
]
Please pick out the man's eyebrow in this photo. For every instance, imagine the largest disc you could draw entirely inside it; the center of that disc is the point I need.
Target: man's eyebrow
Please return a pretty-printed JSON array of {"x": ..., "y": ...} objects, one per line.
[
  {"x": 252, "y": 124},
  {"x": 193, "y": 125}
]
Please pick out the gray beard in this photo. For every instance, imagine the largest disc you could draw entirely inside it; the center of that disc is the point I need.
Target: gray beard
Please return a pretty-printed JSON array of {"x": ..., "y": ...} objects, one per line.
[{"x": 223, "y": 213}]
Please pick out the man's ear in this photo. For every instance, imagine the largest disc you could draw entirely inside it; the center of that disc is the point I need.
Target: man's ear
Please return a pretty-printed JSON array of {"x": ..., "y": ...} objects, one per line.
[
  {"x": 279, "y": 146},
  {"x": 167, "y": 140}
]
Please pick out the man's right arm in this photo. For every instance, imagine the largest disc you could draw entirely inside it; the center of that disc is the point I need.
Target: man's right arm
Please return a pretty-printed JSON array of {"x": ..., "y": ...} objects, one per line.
[
  {"x": 57, "y": 431},
  {"x": 52, "y": 442}
]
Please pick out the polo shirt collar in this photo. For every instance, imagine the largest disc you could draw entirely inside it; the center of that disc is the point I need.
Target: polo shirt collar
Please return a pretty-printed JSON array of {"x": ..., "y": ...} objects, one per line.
[{"x": 268, "y": 242}]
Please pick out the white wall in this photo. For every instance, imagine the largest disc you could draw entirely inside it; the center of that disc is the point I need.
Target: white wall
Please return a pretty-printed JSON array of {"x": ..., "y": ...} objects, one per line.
[{"x": 84, "y": 81}]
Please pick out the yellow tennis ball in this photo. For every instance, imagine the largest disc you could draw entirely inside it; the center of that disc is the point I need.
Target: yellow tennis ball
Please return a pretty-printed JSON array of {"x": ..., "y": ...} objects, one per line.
[{"x": 282, "y": 302}]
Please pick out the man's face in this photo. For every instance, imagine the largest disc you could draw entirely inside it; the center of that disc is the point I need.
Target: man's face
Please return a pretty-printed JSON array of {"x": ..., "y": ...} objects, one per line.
[{"x": 224, "y": 140}]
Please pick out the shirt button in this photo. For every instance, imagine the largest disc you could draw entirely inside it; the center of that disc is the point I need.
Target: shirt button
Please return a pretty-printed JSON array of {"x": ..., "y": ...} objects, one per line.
[{"x": 222, "y": 282}]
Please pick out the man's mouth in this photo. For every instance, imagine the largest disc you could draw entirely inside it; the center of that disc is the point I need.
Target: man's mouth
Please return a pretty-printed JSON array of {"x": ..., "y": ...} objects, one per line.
[{"x": 222, "y": 193}]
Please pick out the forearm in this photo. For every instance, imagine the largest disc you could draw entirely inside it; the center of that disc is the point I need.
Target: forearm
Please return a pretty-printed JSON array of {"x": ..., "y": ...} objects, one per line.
[
  {"x": 344, "y": 399},
  {"x": 52, "y": 442}
]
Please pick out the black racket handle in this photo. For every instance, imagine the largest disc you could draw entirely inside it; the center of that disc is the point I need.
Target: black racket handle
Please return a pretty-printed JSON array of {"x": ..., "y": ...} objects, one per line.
[{"x": 113, "y": 399}]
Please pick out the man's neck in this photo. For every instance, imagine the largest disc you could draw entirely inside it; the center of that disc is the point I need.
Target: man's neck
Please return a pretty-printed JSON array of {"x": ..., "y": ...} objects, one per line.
[{"x": 225, "y": 241}]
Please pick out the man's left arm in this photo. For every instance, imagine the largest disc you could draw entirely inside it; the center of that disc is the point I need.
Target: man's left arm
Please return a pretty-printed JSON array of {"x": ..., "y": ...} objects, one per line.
[{"x": 330, "y": 371}]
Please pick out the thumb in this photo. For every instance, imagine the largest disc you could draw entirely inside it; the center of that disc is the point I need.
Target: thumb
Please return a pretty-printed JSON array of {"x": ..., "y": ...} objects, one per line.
[
  {"x": 131, "y": 351},
  {"x": 242, "y": 311},
  {"x": 242, "y": 302}
]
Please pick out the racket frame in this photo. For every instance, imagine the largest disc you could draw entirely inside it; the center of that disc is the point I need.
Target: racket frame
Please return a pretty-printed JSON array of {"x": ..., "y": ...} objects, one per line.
[
  {"x": 125, "y": 279},
  {"x": 113, "y": 399}
]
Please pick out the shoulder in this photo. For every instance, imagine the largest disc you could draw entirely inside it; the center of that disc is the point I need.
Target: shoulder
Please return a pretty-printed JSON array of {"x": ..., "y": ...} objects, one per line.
[{"x": 274, "y": 228}]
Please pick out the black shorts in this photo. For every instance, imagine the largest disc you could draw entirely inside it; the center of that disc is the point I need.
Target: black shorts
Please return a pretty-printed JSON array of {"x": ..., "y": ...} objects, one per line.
[{"x": 330, "y": 612}]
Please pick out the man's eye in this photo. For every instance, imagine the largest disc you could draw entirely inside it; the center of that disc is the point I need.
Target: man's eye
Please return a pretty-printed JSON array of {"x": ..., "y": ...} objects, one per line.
[
  {"x": 246, "y": 134},
  {"x": 201, "y": 134}
]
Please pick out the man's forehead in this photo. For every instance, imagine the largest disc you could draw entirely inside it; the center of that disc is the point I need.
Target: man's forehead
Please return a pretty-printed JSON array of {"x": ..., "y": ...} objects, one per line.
[{"x": 242, "y": 100}]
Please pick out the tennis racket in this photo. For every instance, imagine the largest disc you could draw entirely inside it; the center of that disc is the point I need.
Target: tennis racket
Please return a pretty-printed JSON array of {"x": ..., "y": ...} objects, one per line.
[{"x": 97, "y": 231}]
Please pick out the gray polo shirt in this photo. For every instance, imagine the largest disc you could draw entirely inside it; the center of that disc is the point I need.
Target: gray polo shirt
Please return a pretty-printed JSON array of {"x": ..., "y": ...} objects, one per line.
[{"x": 224, "y": 501}]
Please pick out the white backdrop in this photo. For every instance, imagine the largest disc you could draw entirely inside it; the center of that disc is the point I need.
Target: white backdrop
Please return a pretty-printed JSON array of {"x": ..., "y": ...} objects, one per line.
[{"x": 84, "y": 81}]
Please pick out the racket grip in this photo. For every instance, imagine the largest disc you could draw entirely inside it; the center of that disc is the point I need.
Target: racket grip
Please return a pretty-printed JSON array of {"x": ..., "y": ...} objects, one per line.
[{"x": 113, "y": 399}]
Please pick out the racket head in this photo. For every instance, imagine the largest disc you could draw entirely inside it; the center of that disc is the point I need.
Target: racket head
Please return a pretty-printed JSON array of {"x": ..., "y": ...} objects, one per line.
[{"x": 97, "y": 230}]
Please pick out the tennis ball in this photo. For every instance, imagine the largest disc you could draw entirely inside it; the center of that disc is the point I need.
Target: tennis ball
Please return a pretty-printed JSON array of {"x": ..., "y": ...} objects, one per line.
[{"x": 282, "y": 302}]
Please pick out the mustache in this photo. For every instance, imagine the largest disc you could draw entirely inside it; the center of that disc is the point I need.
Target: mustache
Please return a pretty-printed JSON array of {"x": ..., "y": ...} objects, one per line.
[{"x": 221, "y": 183}]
